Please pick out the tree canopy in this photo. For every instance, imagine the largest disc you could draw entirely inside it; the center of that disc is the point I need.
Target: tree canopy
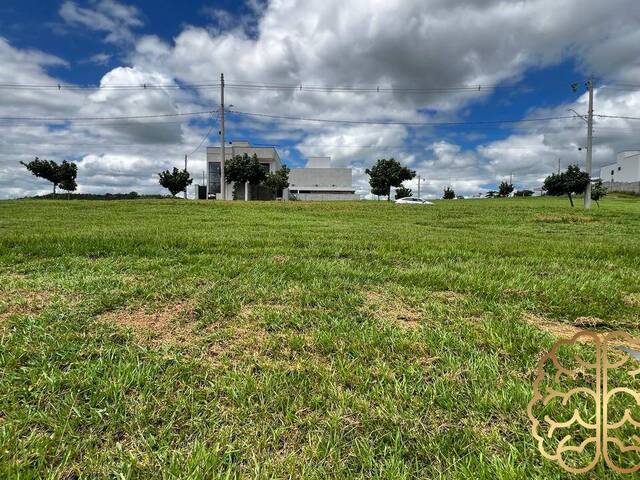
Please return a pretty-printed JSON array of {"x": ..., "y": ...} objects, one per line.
[
  {"x": 449, "y": 194},
  {"x": 598, "y": 190},
  {"x": 60, "y": 175},
  {"x": 277, "y": 181},
  {"x": 245, "y": 169},
  {"x": 571, "y": 181},
  {"x": 387, "y": 173},
  {"x": 175, "y": 180},
  {"x": 505, "y": 189},
  {"x": 403, "y": 192}
]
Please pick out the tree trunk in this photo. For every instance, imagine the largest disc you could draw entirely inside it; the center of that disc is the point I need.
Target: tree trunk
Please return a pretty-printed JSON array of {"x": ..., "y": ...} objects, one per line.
[
  {"x": 54, "y": 190},
  {"x": 570, "y": 199}
]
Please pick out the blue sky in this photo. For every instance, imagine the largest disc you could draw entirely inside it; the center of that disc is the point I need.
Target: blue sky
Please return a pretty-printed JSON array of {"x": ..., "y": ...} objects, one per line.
[{"x": 528, "y": 50}]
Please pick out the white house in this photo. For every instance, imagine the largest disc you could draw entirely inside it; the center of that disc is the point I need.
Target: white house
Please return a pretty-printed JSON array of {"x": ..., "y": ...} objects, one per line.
[
  {"x": 320, "y": 181},
  {"x": 216, "y": 187},
  {"x": 317, "y": 181},
  {"x": 625, "y": 170}
]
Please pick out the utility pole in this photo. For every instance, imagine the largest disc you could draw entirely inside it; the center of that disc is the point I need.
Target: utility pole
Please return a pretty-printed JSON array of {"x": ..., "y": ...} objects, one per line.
[
  {"x": 185, "y": 169},
  {"x": 511, "y": 178},
  {"x": 587, "y": 193},
  {"x": 558, "y": 166},
  {"x": 419, "y": 186},
  {"x": 223, "y": 183}
]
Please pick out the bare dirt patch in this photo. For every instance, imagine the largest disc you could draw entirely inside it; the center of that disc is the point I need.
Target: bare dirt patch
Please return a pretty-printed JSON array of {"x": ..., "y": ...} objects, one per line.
[
  {"x": 385, "y": 306},
  {"x": 449, "y": 295},
  {"x": 22, "y": 302},
  {"x": 158, "y": 327},
  {"x": 567, "y": 331},
  {"x": 557, "y": 329},
  {"x": 564, "y": 219},
  {"x": 632, "y": 299}
]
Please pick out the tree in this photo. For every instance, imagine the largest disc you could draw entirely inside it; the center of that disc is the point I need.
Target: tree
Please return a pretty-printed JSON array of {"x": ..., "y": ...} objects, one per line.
[
  {"x": 243, "y": 169},
  {"x": 67, "y": 174},
  {"x": 63, "y": 175},
  {"x": 386, "y": 174},
  {"x": 524, "y": 193},
  {"x": 403, "y": 192},
  {"x": 278, "y": 181},
  {"x": 449, "y": 194},
  {"x": 175, "y": 181},
  {"x": 567, "y": 183},
  {"x": 505, "y": 189},
  {"x": 598, "y": 190},
  {"x": 491, "y": 194}
]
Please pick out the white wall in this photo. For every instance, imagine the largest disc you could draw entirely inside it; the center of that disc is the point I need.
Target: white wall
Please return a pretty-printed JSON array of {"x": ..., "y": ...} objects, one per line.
[{"x": 626, "y": 169}]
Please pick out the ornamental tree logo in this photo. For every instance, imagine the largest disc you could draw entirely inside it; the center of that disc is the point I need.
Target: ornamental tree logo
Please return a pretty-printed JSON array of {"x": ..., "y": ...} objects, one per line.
[{"x": 586, "y": 406}]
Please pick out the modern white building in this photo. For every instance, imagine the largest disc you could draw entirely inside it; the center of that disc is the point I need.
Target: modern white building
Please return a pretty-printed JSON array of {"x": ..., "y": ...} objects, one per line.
[
  {"x": 221, "y": 190},
  {"x": 625, "y": 170},
  {"x": 320, "y": 181},
  {"x": 317, "y": 181}
]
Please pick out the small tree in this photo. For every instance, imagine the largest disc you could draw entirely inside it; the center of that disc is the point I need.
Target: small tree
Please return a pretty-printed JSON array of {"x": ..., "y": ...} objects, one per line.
[
  {"x": 505, "y": 189},
  {"x": 175, "y": 181},
  {"x": 567, "y": 183},
  {"x": 278, "y": 181},
  {"x": 244, "y": 169},
  {"x": 524, "y": 193},
  {"x": 598, "y": 190},
  {"x": 403, "y": 192},
  {"x": 491, "y": 194},
  {"x": 63, "y": 175},
  {"x": 449, "y": 194},
  {"x": 386, "y": 174}
]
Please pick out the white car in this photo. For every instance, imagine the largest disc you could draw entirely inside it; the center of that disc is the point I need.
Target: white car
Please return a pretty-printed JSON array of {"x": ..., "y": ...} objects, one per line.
[{"x": 413, "y": 201}]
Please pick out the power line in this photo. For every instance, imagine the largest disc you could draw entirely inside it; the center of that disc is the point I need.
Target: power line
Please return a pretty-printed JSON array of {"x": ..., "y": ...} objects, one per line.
[
  {"x": 387, "y": 122},
  {"x": 126, "y": 117},
  {"x": 203, "y": 138},
  {"x": 621, "y": 117}
]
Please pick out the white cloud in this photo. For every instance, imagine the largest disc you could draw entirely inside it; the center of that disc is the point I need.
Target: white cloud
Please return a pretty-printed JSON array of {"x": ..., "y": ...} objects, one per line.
[
  {"x": 116, "y": 19},
  {"x": 395, "y": 43}
]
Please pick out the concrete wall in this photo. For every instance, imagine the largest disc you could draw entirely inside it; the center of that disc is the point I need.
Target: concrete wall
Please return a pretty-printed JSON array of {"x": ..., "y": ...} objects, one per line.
[
  {"x": 307, "y": 178},
  {"x": 324, "y": 196},
  {"x": 625, "y": 170},
  {"x": 629, "y": 187}
]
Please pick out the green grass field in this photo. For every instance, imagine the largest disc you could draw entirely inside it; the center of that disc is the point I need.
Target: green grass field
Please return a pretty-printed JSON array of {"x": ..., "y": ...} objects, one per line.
[{"x": 172, "y": 339}]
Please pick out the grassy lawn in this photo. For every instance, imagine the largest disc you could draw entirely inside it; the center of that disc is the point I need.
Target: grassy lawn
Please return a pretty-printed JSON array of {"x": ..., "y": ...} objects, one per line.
[{"x": 172, "y": 339}]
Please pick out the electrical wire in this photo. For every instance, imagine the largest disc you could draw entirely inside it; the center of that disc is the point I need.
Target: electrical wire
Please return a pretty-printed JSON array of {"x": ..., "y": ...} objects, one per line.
[{"x": 387, "y": 122}]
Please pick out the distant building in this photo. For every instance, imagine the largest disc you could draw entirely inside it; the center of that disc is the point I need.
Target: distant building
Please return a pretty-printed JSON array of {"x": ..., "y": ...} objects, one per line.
[
  {"x": 624, "y": 175},
  {"x": 320, "y": 181},
  {"x": 217, "y": 188},
  {"x": 317, "y": 181}
]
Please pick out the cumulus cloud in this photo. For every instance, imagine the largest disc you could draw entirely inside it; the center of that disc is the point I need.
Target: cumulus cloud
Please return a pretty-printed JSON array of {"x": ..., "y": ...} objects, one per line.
[{"x": 395, "y": 43}]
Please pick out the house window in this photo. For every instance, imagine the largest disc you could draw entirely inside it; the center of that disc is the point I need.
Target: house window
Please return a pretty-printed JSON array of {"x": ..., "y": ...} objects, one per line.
[
  {"x": 214, "y": 177},
  {"x": 612, "y": 172},
  {"x": 619, "y": 168}
]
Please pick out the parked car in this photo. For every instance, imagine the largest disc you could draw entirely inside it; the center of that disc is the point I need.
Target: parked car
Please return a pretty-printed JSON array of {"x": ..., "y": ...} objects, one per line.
[{"x": 413, "y": 201}]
